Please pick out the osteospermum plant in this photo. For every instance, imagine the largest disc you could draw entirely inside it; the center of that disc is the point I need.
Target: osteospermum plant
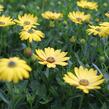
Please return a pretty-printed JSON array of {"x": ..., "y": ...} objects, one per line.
[
  {"x": 13, "y": 69},
  {"x": 31, "y": 35},
  {"x": 6, "y": 21},
  {"x": 51, "y": 57},
  {"x": 79, "y": 17},
  {"x": 49, "y": 15},
  {"x": 27, "y": 21},
  {"x": 100, "y": 30},
  {"x": 84, "y": 79},
  {"x": 87, "y": 4}
]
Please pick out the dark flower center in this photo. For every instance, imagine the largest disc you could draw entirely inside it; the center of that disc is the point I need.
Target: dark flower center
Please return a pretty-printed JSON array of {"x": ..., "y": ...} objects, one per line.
[
  {"x": 30, "y": 31},
  {"x": 2, "y": 23},
  {"x": 79, "y": 19},
  {"x": 26, "y": 23},
  {"x": 98, "y": 29},
  {"x": 84, "y": 82},
  {"x": 50, "y": 59},
  {"x": 11, "y": 64}
]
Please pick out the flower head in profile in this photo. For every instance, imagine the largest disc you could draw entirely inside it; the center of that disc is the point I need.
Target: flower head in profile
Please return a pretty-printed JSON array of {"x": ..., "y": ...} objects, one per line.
[
  {"x": 13, "y": 69},
  {"x": 79, "y": 17},
  {"x": 27, "y": 20},
  {"x": 87, "y": 4},
  {"x": 101, "y": 31},
  {"x": 84, "y": 79},
  {"x": 31, "y": 35},
  {"x": 1, "y": 7},
  {"x": 51, "y": 57},
  {"x": 6, "y": 21},
  {"x": 52, "y": 15}
]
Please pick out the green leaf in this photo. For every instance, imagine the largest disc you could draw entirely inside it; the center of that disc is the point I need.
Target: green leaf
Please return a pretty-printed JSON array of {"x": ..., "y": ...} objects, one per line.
[
  {"x": 104, "y": 106},
  {"x": 2, "y": 97}
]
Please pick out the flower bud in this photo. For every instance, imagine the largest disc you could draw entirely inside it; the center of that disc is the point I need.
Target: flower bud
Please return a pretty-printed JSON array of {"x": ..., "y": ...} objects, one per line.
[
  {"x": 72, "y": 39},
  {"x": 102, "y": 59},
  {"x": 82, "y": 41},
  {"x": 28, "y": 51}
]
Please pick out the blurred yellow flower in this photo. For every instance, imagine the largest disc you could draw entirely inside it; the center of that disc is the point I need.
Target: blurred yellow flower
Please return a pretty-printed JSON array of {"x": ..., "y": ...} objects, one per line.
[
  {"x": 52, "y": 15},
  {"x": 1, "y": 7},
  {"x": 84, "y": 79},
  {"x": 31, "y": 35},
  {"x": 51, "y": 57},
  {"x": 79, "y": 17},
  {"x": 104, "y": 24},
  {"x": 87, "y": 4},
  {"x": 27, "y": 20},
  {"x": 107, "y": 14},
  {"x": 13, "y": 69},
  {"x": 101, "y": 31},
  {"x": 6, "y": 21}
]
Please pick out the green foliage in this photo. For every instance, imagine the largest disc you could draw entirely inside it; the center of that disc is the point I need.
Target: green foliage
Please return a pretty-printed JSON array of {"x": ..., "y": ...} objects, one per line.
[{"x": 46, "y": 89}]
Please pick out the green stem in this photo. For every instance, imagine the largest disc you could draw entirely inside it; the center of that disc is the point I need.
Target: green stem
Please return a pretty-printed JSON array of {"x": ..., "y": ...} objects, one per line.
[
  {"x": 11, "y": 93},
  {"x": 81, "y": 101},
  {"x": 43, "y": 4},
  {"x": 47, "y": 72}
]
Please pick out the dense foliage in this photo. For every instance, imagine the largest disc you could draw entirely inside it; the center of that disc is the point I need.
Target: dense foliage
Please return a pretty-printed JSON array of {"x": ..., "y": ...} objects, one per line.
[{"x": 45, "y": 88}]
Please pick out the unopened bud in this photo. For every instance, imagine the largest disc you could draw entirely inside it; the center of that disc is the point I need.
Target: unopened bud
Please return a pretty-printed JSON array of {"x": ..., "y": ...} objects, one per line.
[{"x": 28, "y": 51}]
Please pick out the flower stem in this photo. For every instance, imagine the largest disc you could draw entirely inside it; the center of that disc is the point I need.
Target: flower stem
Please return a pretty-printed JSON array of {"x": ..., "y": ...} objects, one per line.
[{"x": 81, "y": 101}]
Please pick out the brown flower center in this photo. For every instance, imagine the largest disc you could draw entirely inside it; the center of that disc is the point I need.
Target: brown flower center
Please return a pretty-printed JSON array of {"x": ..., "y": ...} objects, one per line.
[
  {"x": 50, "y": 59},
  {"x": 30, "y": 31},
  {"x": 98, "y": 29},
  {"x": 84, "y": 82},
  {"x": 78, "y": 18},
  {"x": 26, "y": 23},
  {"x": 2, "y": 23},
  {"x": 11, "y": 64}
]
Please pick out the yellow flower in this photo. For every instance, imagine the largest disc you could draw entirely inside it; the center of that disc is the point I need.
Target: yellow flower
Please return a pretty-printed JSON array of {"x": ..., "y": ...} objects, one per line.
[
  {"x": 13, "y": 69},
  {"x": 84, "y": 79},
  {"x": 31, "y": 35},
  {"x": 27, "y": 20},
  {"x": 51, "y": 57},
  {"x": 104, "y": 24},
  {"x": 6, "y": 21},
  {"x": 79, "y": 17},
  {"x": 87, "y": 4},
  {"x": 107, "y": 14},
  {"x": 98, "y": 30},
  {"x": 1, "y": 7},
  {"x": 52, "y": 15}
]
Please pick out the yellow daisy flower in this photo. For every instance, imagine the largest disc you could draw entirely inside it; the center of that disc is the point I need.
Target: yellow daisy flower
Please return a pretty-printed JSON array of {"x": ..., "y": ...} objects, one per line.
[
  {"x": 31, "y": 35},
  {"x": 27, "y": 20},
  {"x": 6, "y": 21},
  {"x": 1, "y": 7},
  {"x": 52, "y": 15},
  {"x": 104, "y": 24},
  {"x": 51, "y": 57},
  {"x": 87, "y": 5},
  {"x": 13, "y": 69},
  {"x": 84, "y": 79},
  {"x": 98, "y": 30},
  {"x": 79, "y": 17}
]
